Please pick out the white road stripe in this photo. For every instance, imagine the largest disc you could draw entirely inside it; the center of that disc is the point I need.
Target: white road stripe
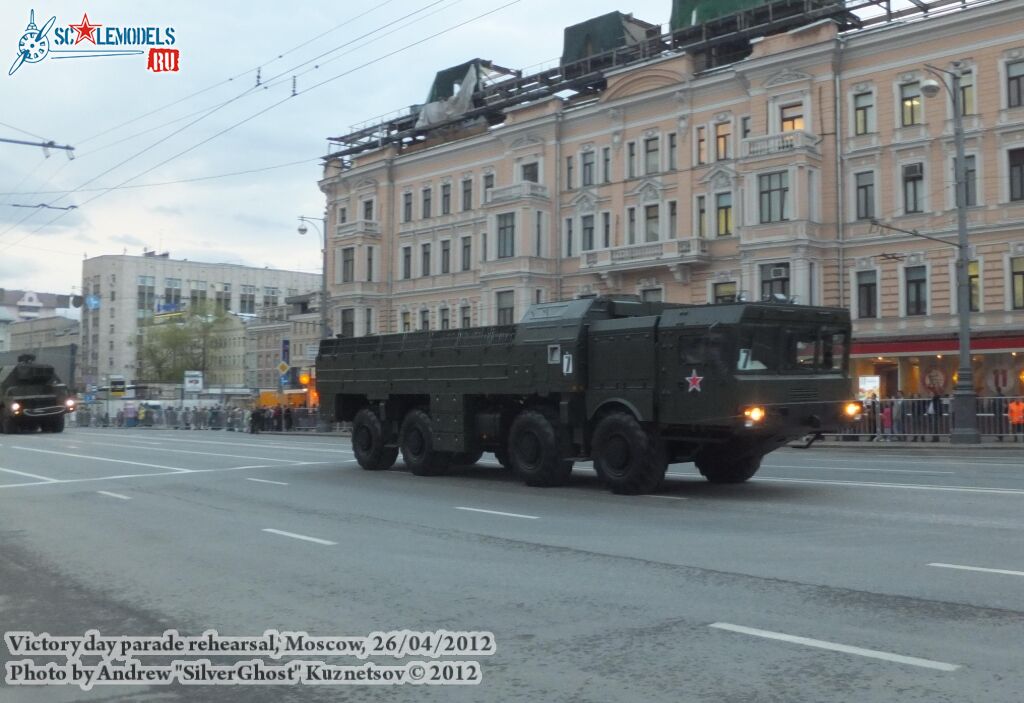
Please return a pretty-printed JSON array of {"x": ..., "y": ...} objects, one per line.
[
  {"x": 230, "y": 456},
  {"x": 836, "y": 647},
  {"x": 149, "y": 475},
  {"x": 263, "y": 480},
  {"x": 852, "y": 468},
  {"x": 295, "y": 446},
  {"x": 176, "y": 469},
  {"x": 315, "y": 540},
  {"x": 909, "y": 486},
  {"x": 22, "y": 473},
  {"x": 498, "y": 512},
  {"x": 1007, "y": 572},
  {"x": 654, "y": 495},
  {"x": 113, "y": 495}
]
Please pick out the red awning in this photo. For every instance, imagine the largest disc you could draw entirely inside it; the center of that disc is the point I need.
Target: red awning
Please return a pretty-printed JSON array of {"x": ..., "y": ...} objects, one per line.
[{"x": 935, "y": 346}]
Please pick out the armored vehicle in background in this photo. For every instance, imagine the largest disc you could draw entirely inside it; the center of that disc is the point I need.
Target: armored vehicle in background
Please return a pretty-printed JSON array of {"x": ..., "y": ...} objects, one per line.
[
  {"x": 631, "y": 385},
  {"x": 32, "y": 396}
]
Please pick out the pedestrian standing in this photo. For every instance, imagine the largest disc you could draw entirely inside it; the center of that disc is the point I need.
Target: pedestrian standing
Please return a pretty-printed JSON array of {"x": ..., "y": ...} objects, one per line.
[
  {"x": 899, "y": 410},
  {"x": 872, "y": 408},
  {"x": 886, "y": 418},
  {"x": 1015, "y": 414},
  {"x": 289, "y": 419},
  {"x": 999, "y": 412},
  {"x": 935, "y": 415}
]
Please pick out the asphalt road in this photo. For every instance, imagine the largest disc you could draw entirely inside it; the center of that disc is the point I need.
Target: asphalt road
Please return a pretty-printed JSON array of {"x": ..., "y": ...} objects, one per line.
[{"x": 837, "y": 574}]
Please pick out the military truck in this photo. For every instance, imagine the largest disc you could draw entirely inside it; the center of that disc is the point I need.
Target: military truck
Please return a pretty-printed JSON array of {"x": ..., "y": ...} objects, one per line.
[
  {"x": 32, "y": 397},
  {"x": 631, "y": 385}
]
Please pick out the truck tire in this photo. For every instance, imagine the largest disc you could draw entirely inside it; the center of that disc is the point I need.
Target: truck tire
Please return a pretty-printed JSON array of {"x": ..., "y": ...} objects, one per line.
[
  {"x": 466, "y": 458},
  {"x": 626, "y": 457},
  {"x": 53, "y": 424},
  {"x": 717, "y": 468},
  {"x": 368, "y": 442},
  {"x": 417, "y": 442},
  {"x": 10, "y": 425},
  {"x": 534, "y": 451}
]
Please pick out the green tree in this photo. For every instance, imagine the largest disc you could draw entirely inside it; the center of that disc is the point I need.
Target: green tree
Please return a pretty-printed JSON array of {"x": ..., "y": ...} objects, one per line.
[{"x": 173, "y": 345}]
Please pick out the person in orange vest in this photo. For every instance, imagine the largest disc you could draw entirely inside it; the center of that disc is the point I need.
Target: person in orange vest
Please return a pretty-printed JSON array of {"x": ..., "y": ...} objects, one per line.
[{"x": 1015, "y": 413}]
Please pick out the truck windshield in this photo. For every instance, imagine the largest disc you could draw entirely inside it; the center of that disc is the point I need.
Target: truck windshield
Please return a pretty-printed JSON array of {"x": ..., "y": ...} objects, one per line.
[{"x": 791, "y": 349}]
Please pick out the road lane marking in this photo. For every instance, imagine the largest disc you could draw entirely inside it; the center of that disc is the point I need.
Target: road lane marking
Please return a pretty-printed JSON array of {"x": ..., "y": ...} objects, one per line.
[
  {"x": 498, "y": 512},
  {"x": 836, "y": 647},
  {"x": 230, "y": 456},
  {"x": 1006, "y": 572},
  {"x": 149, "y": 475},
  {"x": 263, "y": 480},
  {"x": 103, "y": 458},
  {"x": 113, "y": 495},
  {"x": 853, "y": 468},
  {"x": 293, "y": 446},
  {"x": 44, "y": 479},
  {"x": 315, "y": 540},
  {"x": 654, "y": 495},
  {"x": 870, "y": 484}
]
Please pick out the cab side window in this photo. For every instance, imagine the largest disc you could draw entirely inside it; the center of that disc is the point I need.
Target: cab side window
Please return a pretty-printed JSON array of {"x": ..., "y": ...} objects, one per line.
[{"x": 708, "y": 349}]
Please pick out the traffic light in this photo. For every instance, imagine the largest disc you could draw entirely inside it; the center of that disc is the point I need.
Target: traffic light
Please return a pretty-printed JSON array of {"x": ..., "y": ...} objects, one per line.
[{"x": 304, "y": 378}]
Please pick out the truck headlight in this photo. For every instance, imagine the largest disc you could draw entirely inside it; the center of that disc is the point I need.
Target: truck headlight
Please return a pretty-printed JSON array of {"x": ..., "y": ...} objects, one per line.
[
  {"x": 15, "y": 407},
  {"x": 70, "y": 403},
  {"x": 853, "y": 410},
  {"x": 753, "y": 415}
]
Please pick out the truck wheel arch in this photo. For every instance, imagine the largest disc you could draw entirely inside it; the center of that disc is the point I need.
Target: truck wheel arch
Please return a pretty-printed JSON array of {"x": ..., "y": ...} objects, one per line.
[{"x": 613, "y": 405}]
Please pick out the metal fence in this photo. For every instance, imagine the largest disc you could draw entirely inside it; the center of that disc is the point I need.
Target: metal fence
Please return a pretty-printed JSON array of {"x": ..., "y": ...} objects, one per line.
[
  {"x": 229, "y": 418},
  {"x": 929, "y": 419}
]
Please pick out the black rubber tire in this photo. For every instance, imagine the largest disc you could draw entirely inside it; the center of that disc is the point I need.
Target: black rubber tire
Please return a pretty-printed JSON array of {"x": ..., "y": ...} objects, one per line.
[
  {"x": 627, "y": 458},
  {"x": 466, "y": 458},
  {"x": 10, "y": 426},
  {"x": 417, "y": 442},
  {"x": 534, "y": 451},
  {"x": 718, "y": 468},
  {"x": 55, "y": 424},
  {"x": 368, "y": 442}
]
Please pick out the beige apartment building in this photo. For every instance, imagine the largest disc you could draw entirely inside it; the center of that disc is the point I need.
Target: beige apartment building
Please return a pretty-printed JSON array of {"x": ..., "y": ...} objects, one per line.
[
  {"x": 295, "y": 326},
  {"x": 690, "y": 184}
]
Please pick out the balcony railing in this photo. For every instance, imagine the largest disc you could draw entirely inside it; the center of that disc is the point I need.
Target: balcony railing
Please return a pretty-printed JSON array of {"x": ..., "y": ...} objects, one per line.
[
  {"x": 371, "y": 227},
  {"x": 786, "y": 142},
  {"x": 526, "y": 189},
  {"x": 672, "y": 251}
]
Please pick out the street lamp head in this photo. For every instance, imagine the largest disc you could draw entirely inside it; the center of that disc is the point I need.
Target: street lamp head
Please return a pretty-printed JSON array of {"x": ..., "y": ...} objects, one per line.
[
  {"x": 303, "y": 228},
  {"x": 930, "y": 88}
]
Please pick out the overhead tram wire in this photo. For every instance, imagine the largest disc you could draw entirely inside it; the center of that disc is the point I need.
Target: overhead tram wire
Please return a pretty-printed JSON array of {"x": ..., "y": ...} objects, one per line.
[
  {"x": 271, "y": 107},
  {"x": 23, "y": 131}
]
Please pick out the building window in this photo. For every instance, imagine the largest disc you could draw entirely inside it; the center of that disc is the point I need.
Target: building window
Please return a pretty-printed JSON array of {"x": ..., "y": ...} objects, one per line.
[
  {"x": 631, "y": 225},
  {"x": 569, "y": 175},
  {"x": 724, "y": 292},
  {"x": 446, "y": 256},
  {"x": 1017, "y": 282},
  {"x": 247, "y": 300},
  {"x": 702, "y": 145},
  {"x": 425, "y": 259},
  {"x": 467, "y": 195},
  {"x": 652, "y": 155},
  {"x": 146, "y": 295},
  {"x": 1016, "y": 157},
  {"x": 506, "y": 305},
  {"x": 446, "y": 199},
  {"x": 723, "y": 132},
  {"x": 538, "y": 234},
  {"x": 606, "y": 164},
  {"x": 631, "y": 160},
  {"x": 406, "y": 262},
  {"x": 424, "y": 319},
  {"x": 342, "y": 215},
  {"x": 774, "y": 280},
  {"x": 367, "y": 209},
  {"x": 368, "y": 320},
  {"x": 445, "y": 318},
  {"x": 222, "y": 298},
  {"x": 968, "y": 105},
  {"x": 348, "y": 322},
  {"x": 913, "y": 188},
  {"x": 488, "y": 185},
  {"x": 910, "y": 104},
  {"x": 650, "y": 295},
  {"x": 530, "y": 172},
  {"x": 970, "y": 181},
  {"x": 865, "y": 182},
  {"x": 464, "y": 314},
  {"x": 172, "y": 293},
  {"x": 702, "y": 216},
  {"x": 863, "y": 113},
  {"x": 1015, "y": 83},
  {"x": 917, "y": 290},
  {"x": 673, "y": 219},
  {"x": 406, "y": 207},
  {"x": 348, "y": 264},
  {"x": 723, "y": 213},
  {"x": 483, "y": 246},
  {"x": 467, "y": 253},
  {"x": 652, "y": 223},
  {"x": 867, "y": 294},
  {"x": 428, "y": 195},
  {"x": 792, "y": 117},
  {"x": 406, "y": 321},
  {"x": 587, "y": 161},
  {"x": 774, "y": 191},
  {"x": 369, "y": 264},
  {"x": 606, "y": 228},
  {"x": 269, "y": 296},
  {"x": 568, "y": 236},
  {"x": 587, "y": 225},
  {"x": 673, "y": 162},
  {"x": 506, "y": 235},
  {"x": 974, "y": 285},
  {"x": 745, "y": 127}
]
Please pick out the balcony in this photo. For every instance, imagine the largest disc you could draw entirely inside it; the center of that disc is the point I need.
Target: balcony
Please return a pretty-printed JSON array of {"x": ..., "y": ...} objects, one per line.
[
  {"x": 637, "y": 256},
  {"x": 517, "y": 191},
  {"x": 783, "y": 143},
  {"x": 358, "y": 227}
]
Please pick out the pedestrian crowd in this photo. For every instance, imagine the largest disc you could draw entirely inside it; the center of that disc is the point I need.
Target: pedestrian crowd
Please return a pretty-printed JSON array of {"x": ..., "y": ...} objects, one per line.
[
  {"x": 917, "y": 418},
  {"x": 232, "y": 418}
]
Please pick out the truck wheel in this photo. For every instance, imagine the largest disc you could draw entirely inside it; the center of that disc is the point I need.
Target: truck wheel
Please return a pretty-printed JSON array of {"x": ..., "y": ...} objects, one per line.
[
  {"x": 725, "y": 469},
  {"x": 368, "y": 442},
  {"x": 417, "y": 442},
  {"x": 467, "y": 458},
  {"x": 626, "y": 457},
  {"x": 534, "y": 452},
  {"x": 55, "y": 424},
  {"x": 10, "y": 426}
]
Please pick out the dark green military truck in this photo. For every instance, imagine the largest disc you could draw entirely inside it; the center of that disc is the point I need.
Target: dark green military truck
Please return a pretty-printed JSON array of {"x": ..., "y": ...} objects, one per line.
[
  {"x": 631, "y": 385},
  {"x": 32, "y": 397}
]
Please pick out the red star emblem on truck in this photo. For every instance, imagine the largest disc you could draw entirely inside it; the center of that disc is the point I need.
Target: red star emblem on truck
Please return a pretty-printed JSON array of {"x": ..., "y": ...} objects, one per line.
[{"x": 694, "y": 380}]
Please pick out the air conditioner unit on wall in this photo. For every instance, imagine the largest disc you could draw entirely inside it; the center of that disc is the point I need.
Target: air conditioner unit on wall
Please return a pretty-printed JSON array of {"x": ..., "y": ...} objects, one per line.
[{"x": 778, "y": 272}]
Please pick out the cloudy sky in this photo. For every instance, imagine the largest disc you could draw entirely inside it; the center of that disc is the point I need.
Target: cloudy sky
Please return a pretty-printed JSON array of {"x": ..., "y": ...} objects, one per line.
[{"x": 131, "y": 127}]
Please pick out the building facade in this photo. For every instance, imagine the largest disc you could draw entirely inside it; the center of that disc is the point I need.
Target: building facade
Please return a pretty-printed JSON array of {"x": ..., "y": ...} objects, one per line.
[
  {"x": 291, "y": 330},
  {"x": 679, "y": 183},
  {"x": 121, "y": 292}
]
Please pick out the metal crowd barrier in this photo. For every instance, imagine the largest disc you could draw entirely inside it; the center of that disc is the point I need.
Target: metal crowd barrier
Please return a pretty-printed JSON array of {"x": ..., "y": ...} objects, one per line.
[{"x": 927, "y": 419}]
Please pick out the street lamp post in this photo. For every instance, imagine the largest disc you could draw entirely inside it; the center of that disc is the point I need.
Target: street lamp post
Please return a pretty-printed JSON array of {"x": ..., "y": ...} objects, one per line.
[
  {"x": 965, "y": 420},
  {"x": 325, "y": 332}
]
